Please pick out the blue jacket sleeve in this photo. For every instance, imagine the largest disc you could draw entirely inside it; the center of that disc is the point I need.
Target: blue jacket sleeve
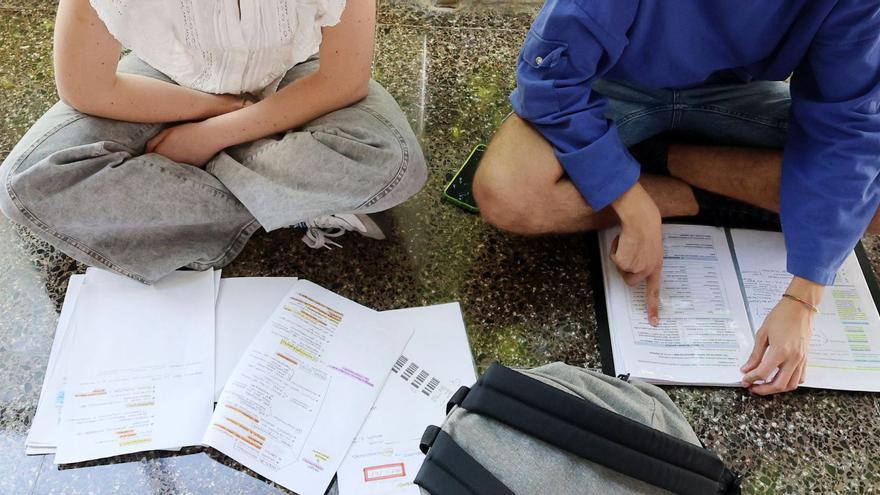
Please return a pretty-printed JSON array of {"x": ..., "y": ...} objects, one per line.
[
  {"x": 832, "y": 157},
  {"x": 570, "y": 45}
]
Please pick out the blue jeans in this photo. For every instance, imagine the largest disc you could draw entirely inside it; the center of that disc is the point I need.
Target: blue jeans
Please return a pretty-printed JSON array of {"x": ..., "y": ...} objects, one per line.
[
  {"x": 739, "y": 114},
  {"x": 736, "y": 114}
]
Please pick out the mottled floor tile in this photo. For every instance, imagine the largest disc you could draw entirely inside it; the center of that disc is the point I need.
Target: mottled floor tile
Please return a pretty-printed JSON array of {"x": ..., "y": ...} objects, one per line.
[
  {"x": 18, "y": 473},
  {"x": 469, "y": 15},
  {"x": 169, "y": 474},
  {"x": 27, "y": 321},
  {"x": 28, "y": 5},
  {"x": 26, "y": 78}
]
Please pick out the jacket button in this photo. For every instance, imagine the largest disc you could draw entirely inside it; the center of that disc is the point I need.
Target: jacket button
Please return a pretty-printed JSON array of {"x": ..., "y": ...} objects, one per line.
[{"x": 539, "y": 60}]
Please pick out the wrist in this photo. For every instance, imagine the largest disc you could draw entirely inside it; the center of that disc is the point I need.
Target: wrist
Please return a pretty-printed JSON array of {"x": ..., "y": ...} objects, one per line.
[
  {"x": 635, "y": 205},
  {"x": 806, "y": 290},
  {"x": 212, "y": 135},
  {"x": 223, "y": 104}
]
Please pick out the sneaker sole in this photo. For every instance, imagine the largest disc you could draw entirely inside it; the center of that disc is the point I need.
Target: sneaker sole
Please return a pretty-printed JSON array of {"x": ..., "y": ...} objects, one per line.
[{"x": 373, "y": 229}]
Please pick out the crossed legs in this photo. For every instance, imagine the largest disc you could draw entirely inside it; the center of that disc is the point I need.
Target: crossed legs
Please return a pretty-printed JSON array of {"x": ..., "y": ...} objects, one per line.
[{"x": 521, "y": 187}]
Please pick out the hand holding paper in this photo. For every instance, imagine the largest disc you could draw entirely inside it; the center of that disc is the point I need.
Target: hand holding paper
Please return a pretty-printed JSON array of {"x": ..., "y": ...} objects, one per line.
[{"x": 779, "y": 358}]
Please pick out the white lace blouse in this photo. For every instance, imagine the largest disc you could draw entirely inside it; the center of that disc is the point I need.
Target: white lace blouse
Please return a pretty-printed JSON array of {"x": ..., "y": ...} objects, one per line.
[{"x": 221, "y": 46}]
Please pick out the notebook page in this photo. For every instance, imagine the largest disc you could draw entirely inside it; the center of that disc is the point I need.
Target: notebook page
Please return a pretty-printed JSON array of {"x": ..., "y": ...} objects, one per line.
[
  {"x": 845, "y": 346},
  {"x": 704, "y": 334}
]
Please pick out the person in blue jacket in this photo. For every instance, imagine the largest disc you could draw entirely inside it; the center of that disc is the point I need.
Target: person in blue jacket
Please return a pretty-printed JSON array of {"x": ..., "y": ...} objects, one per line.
[{"x": 597, "y": 76}]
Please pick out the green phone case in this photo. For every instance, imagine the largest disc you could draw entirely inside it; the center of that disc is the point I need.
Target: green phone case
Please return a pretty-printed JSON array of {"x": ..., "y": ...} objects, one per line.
[{"x": 455, "y": 201}]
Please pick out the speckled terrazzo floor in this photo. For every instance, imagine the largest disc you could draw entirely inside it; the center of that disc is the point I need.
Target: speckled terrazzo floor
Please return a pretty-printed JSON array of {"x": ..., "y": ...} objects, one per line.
[{"x": 526, "y": 301}]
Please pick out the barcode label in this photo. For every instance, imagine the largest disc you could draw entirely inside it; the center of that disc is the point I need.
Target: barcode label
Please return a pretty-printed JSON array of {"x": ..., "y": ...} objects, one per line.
[
  {"x": 431, "y": 386},
  {"x": 410, "y": 370},
  {"x": 420, "y": 379},
  {"x": 401, "y": 362}
]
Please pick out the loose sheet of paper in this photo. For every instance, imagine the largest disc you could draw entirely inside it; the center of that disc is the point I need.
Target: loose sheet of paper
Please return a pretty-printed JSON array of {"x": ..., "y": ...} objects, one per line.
[
  {"x": 385, "y": 456},
  {"x": 243, "y": 306},
  {"x": 704, "y": 335},
  {"x": 845, "y": 346},
  {"x": 304, "y": 387},
  {"x": 140, "y": 369}
]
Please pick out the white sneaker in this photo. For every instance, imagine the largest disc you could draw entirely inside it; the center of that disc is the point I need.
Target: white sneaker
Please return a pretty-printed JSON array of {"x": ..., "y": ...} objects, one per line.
[{"x": 320, "y": 231}]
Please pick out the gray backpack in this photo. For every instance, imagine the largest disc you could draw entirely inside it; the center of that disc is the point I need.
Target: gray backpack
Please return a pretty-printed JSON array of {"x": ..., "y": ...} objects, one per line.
[{"x": 559, "y": 429}]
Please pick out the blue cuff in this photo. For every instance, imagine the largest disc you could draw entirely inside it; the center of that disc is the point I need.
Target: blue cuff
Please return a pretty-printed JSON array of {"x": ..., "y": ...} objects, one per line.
[
  {"x": 602, "y": 171},
  {"x": 808, "y": 269}
]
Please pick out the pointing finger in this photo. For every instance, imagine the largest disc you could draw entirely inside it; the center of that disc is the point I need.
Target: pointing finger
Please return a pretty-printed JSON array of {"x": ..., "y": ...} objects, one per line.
[
  {"x": 653, "y": 297},
  {"x": 632, "y": 279}
]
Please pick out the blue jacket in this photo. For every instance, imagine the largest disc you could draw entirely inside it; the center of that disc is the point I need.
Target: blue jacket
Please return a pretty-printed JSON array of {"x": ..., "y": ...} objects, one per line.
[{"x": 832, "y": 47}]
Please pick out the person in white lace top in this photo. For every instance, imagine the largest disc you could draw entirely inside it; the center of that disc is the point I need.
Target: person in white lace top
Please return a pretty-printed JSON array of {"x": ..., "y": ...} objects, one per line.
[
  {"x": 227, "y": 46},
  {"x": 220, "y": 121}
]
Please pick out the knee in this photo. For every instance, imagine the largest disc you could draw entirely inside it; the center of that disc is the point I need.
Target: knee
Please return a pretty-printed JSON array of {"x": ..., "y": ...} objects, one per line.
[
  {"x": 416, "y": 166},
  {"x": 404, "y": 161},
  {"x": 6, "y": 205},
  {"x": 392, "y": 162},
  {"x": 504, "y": 201},
  {"x": 874, "y": 226}
]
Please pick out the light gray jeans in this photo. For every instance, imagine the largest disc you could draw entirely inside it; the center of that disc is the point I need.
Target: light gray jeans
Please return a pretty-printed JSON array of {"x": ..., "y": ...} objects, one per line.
[{"x": 82, "y": 184}]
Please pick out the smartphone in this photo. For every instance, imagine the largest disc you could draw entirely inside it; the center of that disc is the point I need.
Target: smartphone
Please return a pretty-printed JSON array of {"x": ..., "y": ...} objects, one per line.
[{"x": 459, "y": 191}]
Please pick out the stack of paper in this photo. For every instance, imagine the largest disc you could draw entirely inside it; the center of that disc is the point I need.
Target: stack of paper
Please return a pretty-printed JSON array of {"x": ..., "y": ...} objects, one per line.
[
  {"x": 125, "y": 357},
  {"x": 295, "y": 369}
]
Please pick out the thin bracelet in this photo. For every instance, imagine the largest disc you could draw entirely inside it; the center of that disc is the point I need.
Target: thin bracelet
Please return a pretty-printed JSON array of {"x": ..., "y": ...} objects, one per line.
[{"x": 808, "y": 304}]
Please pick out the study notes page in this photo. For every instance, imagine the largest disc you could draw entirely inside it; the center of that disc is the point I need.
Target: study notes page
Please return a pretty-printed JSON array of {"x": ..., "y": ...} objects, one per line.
[
  {"x": 243, "y": 305},
  {"x": 141, "y": 367},
  {"x": 304, "y": 387},
  {"x": 704, "y": 335},
  {"x": 845, "y": 345}
]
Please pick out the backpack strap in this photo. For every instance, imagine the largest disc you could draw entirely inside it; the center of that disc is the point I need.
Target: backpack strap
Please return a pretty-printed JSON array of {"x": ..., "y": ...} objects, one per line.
[
  {"x": 597, "y": 434},
  {"x": 450, "y": 470}
]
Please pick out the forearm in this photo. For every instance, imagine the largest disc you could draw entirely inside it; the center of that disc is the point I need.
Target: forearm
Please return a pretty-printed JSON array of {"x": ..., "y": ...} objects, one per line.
[
  {"x": 295, "y": 105},
  {"x": 85, "y": 58},
  {"x": 134, "y": 98}
]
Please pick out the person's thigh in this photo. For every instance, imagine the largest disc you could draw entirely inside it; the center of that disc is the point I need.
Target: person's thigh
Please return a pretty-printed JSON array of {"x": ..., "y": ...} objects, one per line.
[
  {"x": 364, "y": 158},
  {"x": 740, "y": 114},
  {"x": 520, "y": 165},
  {"x": 82, "y": 184}
]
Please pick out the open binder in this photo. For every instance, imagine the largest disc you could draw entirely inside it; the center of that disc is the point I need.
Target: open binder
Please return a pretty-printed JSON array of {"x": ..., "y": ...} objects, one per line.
[{"x": 845, "y": 350}]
